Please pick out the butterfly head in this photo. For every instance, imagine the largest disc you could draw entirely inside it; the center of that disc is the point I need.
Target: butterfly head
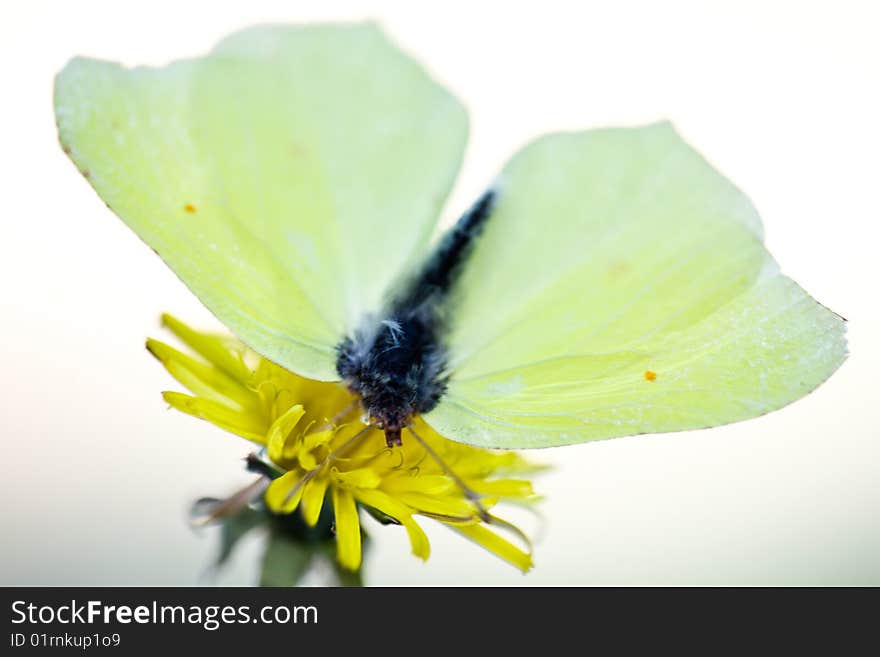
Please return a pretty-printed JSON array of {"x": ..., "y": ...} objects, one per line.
[
  {"x": 395, "y": 367},
  {"x": 392, "y": 435}
]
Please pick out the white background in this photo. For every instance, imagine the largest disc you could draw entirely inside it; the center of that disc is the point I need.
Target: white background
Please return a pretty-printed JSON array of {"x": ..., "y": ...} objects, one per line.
[{"x": 783, "y": 97}]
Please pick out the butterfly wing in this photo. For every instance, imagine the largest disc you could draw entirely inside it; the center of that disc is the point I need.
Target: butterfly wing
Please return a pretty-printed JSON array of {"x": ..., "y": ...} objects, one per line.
[
  {"x": 287, "y": 178},
  {"x": 621, "y": 286}
]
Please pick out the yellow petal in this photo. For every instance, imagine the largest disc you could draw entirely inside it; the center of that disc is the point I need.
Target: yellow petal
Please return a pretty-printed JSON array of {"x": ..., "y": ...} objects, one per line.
[
  {"x": 406, "y": 482},
  {"x": 348, "y": 529},
  {"x": 201, "y": 378},
  {"x": 246, "y": 425},
  {"x": 281, "y": 443},
  {"x": 400, "y": 512},
  {"x": 314, "y": 439},
  {"x": 469, "y": 462},
  {"x": 306, "y": 455},
  {"x": 446, "y": 505},
  {"x": 385, "y": 503},
  {"x": 214, "y": 348},
  {"x": 313, "y": 499},
  {"x": 285, "y": 492},
  {"x": 502, "y": 487},
  {"x": 358, "y": 478},
  {"x": 421, "y": 547},
  {"x": 495, "y": 544}
]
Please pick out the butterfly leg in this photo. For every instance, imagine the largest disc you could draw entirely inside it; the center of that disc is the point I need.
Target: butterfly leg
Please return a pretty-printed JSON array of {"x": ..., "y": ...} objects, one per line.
[
  {"x": 469, "y": 492},
  {"x": 332, "y": 456}
]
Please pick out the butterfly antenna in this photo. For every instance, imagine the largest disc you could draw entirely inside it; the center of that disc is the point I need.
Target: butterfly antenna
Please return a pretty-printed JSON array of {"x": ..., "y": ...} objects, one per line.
[
  {"x": 332, "y": 456},
  {"x": 469, "y": 492}
]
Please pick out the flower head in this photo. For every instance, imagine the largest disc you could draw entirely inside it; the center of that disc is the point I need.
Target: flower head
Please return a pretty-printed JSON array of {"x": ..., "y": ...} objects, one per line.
[{"x": 316, "y": 447}]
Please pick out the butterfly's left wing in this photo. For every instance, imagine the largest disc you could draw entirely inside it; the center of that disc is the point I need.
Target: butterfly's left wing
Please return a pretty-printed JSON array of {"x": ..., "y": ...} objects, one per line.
[
  {"x": 621, "y": 286},
  {"x": 287, "y": 177}
]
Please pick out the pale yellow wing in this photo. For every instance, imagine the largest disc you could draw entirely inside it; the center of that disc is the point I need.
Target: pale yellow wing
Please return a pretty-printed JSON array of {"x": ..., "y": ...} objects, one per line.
[
  {"x": 287, "y": 178},
  {"x": 621, "y": 287}
]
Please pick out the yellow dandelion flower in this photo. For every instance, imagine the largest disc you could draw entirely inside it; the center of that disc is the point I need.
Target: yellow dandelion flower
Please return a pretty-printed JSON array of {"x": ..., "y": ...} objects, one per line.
[{"x": 316, "y": 446}]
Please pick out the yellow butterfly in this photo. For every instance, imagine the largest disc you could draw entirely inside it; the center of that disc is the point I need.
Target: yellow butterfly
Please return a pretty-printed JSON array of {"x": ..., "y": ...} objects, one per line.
[{"x": 610, "y": 282}]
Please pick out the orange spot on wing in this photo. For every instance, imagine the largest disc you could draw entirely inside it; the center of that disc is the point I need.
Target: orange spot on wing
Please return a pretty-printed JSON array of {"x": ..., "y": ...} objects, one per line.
[
  {"x": 650, "y": 376},
  {"x": 618, "y": 269},
  {"x": 189, "y": 207}
]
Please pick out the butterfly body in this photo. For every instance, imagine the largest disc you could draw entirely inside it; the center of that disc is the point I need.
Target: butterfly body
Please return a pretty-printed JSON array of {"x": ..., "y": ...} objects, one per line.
[
  {"x": 261, "y": 173},
  {"x": 397, "y": 365}
]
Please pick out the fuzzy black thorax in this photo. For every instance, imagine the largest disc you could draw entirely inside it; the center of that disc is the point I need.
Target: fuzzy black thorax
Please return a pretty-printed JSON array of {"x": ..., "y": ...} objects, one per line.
[
  {"x": 396, "y": 364},
  {"x": 397, "y": 369}
]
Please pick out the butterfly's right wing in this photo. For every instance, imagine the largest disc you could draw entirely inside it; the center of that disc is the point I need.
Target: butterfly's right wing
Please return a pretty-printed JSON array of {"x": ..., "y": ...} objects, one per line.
[
  {"x": 287, "y": 177},
  {"x": 621, "y": 286}
]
